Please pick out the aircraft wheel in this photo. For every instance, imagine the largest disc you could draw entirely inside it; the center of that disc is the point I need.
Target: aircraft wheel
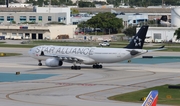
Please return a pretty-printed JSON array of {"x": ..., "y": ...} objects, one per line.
[
  {"x": 79, "y": 67},
  {"x": 76, "y": 67},
  {"x": 40, "y": 64},
  {"x": 97, "y": 66},
  {"x": 100, "y": 66}
]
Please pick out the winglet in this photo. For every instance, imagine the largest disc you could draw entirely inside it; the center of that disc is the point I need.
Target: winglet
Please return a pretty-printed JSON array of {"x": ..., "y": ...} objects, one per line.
[
  {"x": 151, "y": 99},
  {"x": 138, "y": 41}
]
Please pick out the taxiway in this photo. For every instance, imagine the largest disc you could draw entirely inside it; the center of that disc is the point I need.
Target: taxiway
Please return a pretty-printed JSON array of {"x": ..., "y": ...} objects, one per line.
[{"x": 85, "y": 87}]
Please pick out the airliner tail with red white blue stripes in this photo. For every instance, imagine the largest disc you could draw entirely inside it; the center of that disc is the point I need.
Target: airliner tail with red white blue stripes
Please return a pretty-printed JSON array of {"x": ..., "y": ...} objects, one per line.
[{"x": 151, "y": 99}]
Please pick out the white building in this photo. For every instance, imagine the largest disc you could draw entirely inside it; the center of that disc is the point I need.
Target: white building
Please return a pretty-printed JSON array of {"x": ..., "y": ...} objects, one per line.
[
  {"x": 137, "y": 18},
  {"x": 36, "y": 31},
  {"x": 18, "y": 5},
  {"x": 65, "y": 10},
  {"x": 13, "y": 23},
  {"x": 175, "y": 16},
  {"x": 165, "y": 33},
  {"x": 161, "y": 34}
]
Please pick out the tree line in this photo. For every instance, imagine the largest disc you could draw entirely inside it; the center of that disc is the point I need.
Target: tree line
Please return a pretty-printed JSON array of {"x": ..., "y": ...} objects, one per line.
[
  {"x": 110, "y": 24},
  {"x": 145, "y": 3},
  {"x": 105, "y": 22}
]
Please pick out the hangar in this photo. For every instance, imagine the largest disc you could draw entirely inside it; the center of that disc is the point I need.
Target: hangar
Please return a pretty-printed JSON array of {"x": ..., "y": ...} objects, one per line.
[{"x": 166, "y": 33}]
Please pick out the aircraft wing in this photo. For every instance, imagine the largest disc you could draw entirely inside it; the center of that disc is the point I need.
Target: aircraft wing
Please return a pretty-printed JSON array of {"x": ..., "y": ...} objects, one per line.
[
  {"x": 69, "y": 58},
  {"x": 160, "y": 48}
]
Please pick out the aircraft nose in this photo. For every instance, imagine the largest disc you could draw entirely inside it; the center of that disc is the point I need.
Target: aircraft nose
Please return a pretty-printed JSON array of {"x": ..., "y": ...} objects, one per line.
[{"x": 30, "y": 52}]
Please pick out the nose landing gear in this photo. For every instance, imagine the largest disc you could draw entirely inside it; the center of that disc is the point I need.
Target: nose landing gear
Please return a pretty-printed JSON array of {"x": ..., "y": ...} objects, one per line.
[{"x": 39, "y": 64}]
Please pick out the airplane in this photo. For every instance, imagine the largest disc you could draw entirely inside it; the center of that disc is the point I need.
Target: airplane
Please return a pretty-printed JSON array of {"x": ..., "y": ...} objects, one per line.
[
  {"x": 54, "y": 56},
  {"x": 151, "y": 99},
  {"x": 164, "y": 21}
]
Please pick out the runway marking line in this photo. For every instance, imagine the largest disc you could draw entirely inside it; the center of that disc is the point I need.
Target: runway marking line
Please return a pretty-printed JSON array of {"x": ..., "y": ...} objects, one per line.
[
  {"x": 82, "y": 84},
  {"x": 27, "y": 90}
]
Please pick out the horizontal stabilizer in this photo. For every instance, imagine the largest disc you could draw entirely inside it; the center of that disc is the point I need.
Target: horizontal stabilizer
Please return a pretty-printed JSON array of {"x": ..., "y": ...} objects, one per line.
[{"x": 160, "y": 48}]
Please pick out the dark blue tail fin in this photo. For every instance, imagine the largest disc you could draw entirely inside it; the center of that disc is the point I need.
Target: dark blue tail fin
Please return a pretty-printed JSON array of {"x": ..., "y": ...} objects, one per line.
[{"x": 138, "y": 41}]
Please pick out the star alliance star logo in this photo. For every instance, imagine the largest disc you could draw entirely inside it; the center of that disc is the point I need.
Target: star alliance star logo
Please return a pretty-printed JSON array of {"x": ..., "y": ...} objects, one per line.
[{"x": 137, "y": 41}]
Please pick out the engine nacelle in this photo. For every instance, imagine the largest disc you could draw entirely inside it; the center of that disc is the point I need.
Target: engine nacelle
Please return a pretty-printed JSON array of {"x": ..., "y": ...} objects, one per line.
[{"x": 53, "y": 62}]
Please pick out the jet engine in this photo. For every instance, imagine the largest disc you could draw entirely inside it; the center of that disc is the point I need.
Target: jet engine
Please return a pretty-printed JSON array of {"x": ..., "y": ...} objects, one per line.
[{"x": 53, "y": 62}]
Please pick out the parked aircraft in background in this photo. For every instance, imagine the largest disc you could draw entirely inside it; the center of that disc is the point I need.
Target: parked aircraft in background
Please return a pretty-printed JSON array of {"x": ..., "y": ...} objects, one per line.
[
  {"x": 55, "y": 55},
  {"x": 151, "y": 99},
  {"x": 164, "y": 21}
]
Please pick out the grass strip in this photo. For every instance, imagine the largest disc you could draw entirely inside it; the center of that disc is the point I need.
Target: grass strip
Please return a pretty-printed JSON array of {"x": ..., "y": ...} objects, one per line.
[{"x": 166, "y": 96}]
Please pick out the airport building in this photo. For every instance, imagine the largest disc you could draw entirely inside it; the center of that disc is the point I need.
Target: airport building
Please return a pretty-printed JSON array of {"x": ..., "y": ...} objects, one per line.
[
  {"x": 12, "y": 20},
  {"x": 14, "y": 24},
  {"x": 17, "y": 5},
  {"x": 160, "y": 34},
  {"x": 42, "y": 15},
  {"x": 36, "y": 32},
  {"x": 166, "y": 33},
  {"x": 39, "y": 18}
]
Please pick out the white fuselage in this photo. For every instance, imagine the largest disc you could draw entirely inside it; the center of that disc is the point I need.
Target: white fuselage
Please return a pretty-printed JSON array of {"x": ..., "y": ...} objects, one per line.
[{"x": 88, "y": 54}]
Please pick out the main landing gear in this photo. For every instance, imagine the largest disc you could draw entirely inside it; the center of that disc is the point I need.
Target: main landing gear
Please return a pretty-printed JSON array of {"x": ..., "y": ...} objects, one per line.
[
  {"x": 76, "y": 67},
  {"x": 97, "y": 66},
  {"x": 39, "y": 64}
]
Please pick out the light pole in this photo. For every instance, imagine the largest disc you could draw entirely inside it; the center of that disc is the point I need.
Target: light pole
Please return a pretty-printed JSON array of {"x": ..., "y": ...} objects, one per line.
[
  {"x": 49, "y": 6},
  {"x": 77, "y": 3}
]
